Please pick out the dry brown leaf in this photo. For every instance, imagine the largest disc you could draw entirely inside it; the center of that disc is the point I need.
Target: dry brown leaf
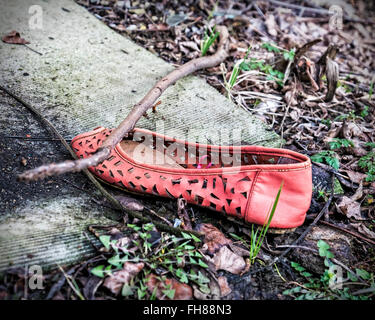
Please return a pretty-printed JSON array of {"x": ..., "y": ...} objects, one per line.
[
  {"x": 358, "y": 194},
  {"x": 116, "y": 281},
  {"x": 158, "y": 27},
  {"x": 271, "y": 25},
  {"x": 130, "y": 203},
  {"x": 290, "y": 98},
  {"x": 190, "y": 44},
  {"x": 358, "y": 150},
  {"x": 351, "y": 129},
  {"x": 334, "y": 131},
  {"x": 182, "y": 290},
  {"x": 355, "y": 177},
  {"x": 214, "y": 239},
  {"x": 350, "y": 207},
  {"x": 366, "y": 231},
  {"x": 332, "y": 74},
  {"x": 239, "y": 251},
  {"x": 227, "y": 260},
  {"x": 215, "y": 292},
  {"x": 224, "y": 287},
  {"x": 14, "y": 37}
]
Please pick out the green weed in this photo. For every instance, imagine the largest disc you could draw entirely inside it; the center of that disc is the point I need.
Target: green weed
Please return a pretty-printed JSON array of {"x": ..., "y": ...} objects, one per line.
[
  {"x": 257, "y": 236},
  {"x": 177, "y": 257},
  {"x": 208, "y": 39},
  {"x": 260, "y": 65},
  {"x": 329, "y": 157},
  {"x": 330, "y": 286},
  {"x": 367, "y": 162},
  {"x": 338, "y": 143}
]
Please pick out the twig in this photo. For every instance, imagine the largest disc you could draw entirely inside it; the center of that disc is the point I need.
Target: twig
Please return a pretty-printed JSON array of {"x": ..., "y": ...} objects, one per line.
[
  {"x": 31, "y": 138},
  {"x": 58, "y": 285},
  {"x": 92, "y": 178},
  {"x": 135, "y": 114},
  {"x": 71, "y": 284},
  {"x": 348, "y": 231},
  {"x": 33, "y": 50},
  {"x": 160, "y": 217},
  {"x": 315, "y": 10},
  {"x": 287, "y": 110}
]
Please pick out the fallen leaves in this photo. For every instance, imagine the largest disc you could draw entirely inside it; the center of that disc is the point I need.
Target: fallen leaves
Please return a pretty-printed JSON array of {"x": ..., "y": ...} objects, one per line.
[
  {"x": 130, "y": 203},
  {"x": 118, "y": 279},
  {"x": 227, "y": 260},
  {"x": 349, "y": 206},
  {"x": 271, "y": 25},
  {"x": 214, "y": 239},
  {"x": 354, "y": 176},
  {"x": 224, "y": 287},
  {"x": 14, "y": 37},
  {"x": 168, "y": 289},
  {"x": 218, "y": 246}
]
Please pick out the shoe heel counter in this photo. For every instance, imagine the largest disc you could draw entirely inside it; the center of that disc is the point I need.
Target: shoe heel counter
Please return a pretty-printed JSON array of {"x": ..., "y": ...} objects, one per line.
[{"x": 294, "y": 201}]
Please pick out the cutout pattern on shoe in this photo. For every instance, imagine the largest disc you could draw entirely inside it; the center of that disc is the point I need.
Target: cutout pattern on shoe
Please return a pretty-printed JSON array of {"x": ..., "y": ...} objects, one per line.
[{"x": 241, "y": 181}]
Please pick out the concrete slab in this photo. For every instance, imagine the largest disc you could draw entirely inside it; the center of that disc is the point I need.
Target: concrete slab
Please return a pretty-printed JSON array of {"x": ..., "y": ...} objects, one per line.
[{"x": 87, "y": 75}]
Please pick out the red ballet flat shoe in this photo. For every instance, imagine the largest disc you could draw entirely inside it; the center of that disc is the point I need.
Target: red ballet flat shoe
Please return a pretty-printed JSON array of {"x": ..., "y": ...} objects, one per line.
[{"x": 240, "y": 181}]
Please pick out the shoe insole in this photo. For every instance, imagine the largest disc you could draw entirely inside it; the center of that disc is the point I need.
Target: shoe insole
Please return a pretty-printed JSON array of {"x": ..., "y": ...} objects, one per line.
[{"x": 144, "y": 154}]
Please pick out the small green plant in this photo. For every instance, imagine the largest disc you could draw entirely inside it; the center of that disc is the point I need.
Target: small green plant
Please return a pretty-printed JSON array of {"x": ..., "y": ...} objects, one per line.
[
  {"x": 346, "y": 87},
  {"x": 330, "y": 286},
  {"x": 257, "y": 236},
  {"x": 364, "y": 112},
  {"x": 260, "y": 65},
  {"x": 338, "y": 143},
  {"x": 178, "y": 257},
  {"x": 367, "y": 162},
  {"x": 326, "y": 122},
  {"x": 351, "y": 116},
  {"x": 208, "y": 40},
  {"x": 288, "y": 55},
  {"x": 322, "y": 194},
  {"x": 236, "y": 71},
  {"x": 329, "y": 157},
  {"x": 270, "y": 47}
]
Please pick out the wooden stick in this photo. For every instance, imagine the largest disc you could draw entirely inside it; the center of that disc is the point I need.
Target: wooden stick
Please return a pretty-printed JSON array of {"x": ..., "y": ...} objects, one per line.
[
  {"x": 135, "y": 114},
  {"x": 92, "y": 178}
]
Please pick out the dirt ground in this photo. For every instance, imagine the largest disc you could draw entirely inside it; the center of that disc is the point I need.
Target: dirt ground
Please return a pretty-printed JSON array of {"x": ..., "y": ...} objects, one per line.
[{"x": 338, "y": 134}]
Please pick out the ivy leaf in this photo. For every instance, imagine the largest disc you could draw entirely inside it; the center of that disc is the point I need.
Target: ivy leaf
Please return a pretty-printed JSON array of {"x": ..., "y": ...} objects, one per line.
[
  {"x": 202, "y": 264},
  {"x": 193, "y": 261},
  {"x": 126, "y": 290},
  {"x": 186, "y": 235},
  {"x": 105, "y": 240},
  {"x": 196, "y": 239},
  {"x": 117, "y": 261},
  {"x": 297, "y": 266},
  {"x": 363, "y": 274},
  {"x": 98, "y": 271},
  {"x": 169, "y": 293}
]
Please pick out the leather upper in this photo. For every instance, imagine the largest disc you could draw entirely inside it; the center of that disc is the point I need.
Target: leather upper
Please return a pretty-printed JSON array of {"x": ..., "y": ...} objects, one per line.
[{"x": 246, "y": 190}]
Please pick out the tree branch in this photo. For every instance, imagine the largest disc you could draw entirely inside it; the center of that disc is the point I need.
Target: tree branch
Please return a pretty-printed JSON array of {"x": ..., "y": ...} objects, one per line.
[{"x": 135, "y": 114}]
